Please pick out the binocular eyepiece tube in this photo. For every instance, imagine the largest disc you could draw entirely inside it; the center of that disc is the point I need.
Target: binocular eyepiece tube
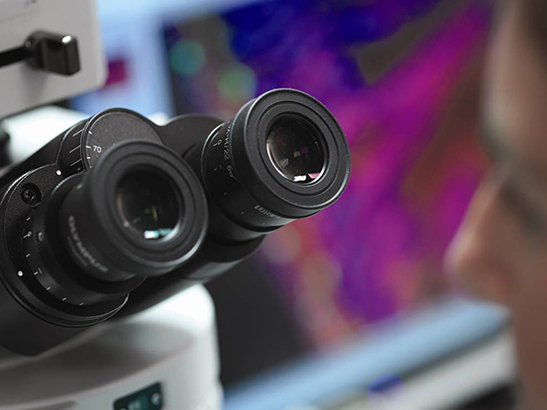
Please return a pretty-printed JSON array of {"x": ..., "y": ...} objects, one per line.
[{"x": 118, "y": 213}]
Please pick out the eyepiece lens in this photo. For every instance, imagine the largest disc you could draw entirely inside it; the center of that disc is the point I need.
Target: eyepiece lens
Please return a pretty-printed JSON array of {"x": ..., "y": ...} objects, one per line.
[
  {"x": 147, "y": 204},
  {"x": 295, "y": 149}
]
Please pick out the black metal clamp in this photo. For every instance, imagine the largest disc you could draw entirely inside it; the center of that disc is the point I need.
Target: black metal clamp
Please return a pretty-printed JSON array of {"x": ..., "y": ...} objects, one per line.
[{"x": 55, "y": 53}]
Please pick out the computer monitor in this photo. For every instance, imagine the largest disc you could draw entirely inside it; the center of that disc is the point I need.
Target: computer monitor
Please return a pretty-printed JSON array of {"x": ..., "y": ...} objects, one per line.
[{"x": 402, "y": 78}]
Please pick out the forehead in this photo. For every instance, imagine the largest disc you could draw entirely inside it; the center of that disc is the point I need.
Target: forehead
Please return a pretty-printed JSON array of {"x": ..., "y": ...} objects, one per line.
[{"x": 516, "y": 89}]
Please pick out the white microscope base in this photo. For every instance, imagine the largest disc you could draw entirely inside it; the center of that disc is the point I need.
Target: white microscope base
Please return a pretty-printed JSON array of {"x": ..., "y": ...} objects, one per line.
[{"x": 173, "y": 344}]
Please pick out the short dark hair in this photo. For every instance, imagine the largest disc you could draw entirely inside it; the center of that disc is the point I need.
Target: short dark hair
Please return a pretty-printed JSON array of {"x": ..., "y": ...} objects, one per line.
[{"x": 535, "y": 19}]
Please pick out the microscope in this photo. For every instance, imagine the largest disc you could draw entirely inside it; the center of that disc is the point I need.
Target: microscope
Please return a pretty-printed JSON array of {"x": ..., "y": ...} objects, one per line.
[{"x": 109, "y": 230}]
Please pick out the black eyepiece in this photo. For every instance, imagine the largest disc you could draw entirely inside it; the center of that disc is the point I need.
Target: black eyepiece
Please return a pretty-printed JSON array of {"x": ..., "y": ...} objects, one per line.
[
  {"x": 282, "y": 157},
  {"x": 140, "y": 211}
]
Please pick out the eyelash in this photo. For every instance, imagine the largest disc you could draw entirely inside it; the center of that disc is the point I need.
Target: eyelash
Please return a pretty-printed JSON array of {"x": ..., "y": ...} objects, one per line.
[{"x": 526, "y": 213}]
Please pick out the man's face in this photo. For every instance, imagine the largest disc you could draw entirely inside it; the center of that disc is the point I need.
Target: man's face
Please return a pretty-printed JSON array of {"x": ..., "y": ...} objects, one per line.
[{"x": 500, "y": 252}]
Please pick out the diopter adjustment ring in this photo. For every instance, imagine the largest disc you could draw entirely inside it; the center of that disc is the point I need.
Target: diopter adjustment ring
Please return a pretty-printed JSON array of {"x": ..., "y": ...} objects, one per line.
[{"x": 51, "y": 265}]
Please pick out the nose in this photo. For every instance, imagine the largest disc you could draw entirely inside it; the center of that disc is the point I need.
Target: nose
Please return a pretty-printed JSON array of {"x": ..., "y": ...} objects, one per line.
[{"x": 477, "y": 256}]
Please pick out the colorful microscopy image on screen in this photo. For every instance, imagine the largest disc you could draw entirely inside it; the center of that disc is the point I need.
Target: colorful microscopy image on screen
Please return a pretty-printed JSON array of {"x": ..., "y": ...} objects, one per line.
[{"x": 402, "y": 78}]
